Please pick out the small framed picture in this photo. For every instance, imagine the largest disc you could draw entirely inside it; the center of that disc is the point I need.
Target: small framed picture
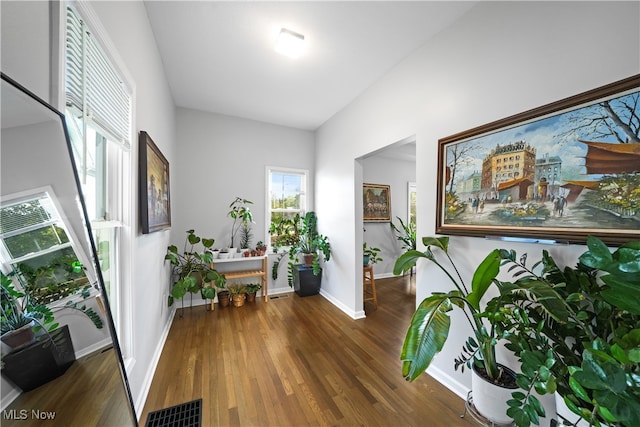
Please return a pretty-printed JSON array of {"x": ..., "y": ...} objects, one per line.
[{"x": 376, "y": 203}]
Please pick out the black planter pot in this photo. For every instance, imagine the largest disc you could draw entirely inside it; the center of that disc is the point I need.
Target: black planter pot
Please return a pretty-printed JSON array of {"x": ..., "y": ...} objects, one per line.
[
  {"x": 305, "y": 283},
  {"x": 41, "y": 362}
]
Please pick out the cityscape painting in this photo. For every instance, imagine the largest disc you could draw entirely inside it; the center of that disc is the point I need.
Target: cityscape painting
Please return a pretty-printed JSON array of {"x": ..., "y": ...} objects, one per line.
[{"x": 558, "y": 173}]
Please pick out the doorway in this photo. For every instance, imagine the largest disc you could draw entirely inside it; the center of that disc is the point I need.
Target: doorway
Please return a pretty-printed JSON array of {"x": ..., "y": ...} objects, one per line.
[{"x": 393, "y": 166}]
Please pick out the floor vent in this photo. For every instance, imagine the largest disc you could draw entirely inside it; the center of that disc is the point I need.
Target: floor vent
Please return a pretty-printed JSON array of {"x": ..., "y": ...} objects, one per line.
[
  {"x": 184, "y": 415},
  {"x": 282, "y": 296}
]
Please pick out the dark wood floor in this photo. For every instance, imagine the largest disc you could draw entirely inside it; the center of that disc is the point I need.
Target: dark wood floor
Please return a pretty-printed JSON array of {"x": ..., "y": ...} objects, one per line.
[{"x": 299, "y": 361}]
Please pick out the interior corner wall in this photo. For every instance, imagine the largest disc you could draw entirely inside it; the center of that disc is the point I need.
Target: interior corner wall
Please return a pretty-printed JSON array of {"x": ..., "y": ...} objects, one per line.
[
  {"x": 500, "y": 59},
  {"x": 220, "y": 158},
  {"x": 397, "y": 174}
]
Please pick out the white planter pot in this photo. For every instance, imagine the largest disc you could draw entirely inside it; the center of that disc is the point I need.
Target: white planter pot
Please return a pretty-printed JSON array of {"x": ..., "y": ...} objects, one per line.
[{"x": 490, "y": 400}]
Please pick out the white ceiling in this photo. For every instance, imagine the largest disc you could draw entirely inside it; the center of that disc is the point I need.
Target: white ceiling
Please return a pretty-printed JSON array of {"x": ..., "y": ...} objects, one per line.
[{"x": 218, "y": 56}]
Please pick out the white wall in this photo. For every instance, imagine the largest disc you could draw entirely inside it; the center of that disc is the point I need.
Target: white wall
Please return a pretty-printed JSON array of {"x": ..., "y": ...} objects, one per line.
[
  {"x": 220, "y": 157},
  {"x": 25, "y": 28},
  {"x": 397, "y": 174},
  {"x": 500, "y": 59}
]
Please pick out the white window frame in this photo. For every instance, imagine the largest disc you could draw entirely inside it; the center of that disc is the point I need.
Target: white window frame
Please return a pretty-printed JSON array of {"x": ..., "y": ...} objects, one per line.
[
  {"x": 304, "y": 199},
  {"x": 36, "y": 193},
  {"x": 124, "y": 294}
]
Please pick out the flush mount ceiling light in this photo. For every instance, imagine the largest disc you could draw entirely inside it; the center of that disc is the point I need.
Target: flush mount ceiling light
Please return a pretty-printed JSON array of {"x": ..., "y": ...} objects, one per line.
[{"x": 290, "y": 43}]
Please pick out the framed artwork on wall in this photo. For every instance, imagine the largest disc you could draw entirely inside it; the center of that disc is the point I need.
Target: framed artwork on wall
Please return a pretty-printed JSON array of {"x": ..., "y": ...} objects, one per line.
[
  {"x": 557, "y": 173},
  {"x": 376, "y": 202},
  {"x": 155, "y": 203}
]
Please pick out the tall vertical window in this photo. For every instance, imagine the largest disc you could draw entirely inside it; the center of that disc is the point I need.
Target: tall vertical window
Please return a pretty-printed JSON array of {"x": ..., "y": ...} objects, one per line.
[
  {"x": 98, "y": 114},
  {"x": 287, "y": 196},
  {"x": 412, "y": 202}
]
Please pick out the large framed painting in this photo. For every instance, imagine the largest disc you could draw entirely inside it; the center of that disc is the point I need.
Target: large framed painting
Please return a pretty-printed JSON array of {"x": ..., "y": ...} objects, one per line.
[
  {"x": 376, "y": 202},
  {"x": 155, "y": 204},
  {"x": 557, "y": 173}
]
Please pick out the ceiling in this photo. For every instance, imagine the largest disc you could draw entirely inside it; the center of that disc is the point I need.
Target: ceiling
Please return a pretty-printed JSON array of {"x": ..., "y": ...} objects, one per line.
[{"x": 218, "y": 55}]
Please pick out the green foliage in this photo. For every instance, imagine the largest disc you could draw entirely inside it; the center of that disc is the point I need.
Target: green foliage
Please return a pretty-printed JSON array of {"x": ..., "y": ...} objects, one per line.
[
  {"x": 371, "y": 254},
  {"x": 429, "y": 328},
  {"x": 285, "y": 231},
  {"x": 406, "y": 233},
  {"x": 192, "y": 269},
  {"x": 241, "y": 214},
  {"x": 253, "y": 287},
  {"x": 18, "y": 309},
  {"x": 575, "y": 331},
  {"x": 310, "y": 242}
]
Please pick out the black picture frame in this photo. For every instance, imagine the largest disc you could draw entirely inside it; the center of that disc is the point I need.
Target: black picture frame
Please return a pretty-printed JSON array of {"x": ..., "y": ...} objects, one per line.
[
  {"x": 154, "y": 186},
  {"x": 548, "y": 174}
]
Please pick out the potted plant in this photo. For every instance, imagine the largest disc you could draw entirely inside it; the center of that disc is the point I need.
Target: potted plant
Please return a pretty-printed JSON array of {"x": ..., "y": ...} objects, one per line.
[
  {"x": 238, "y": 295},
  {"x": 576, "y": 332},
  {"x": 261, "y": 248},
  {"x": 242, "y": 217},
  {"x": 314, "y": 247},
  {"x": 41, "y": 350},
  {"x": 429, "y": 329},
  {"x": 192, "y": 269},
  {"x": 370, "y": 255},
  {"x": 252, "y": 289}
]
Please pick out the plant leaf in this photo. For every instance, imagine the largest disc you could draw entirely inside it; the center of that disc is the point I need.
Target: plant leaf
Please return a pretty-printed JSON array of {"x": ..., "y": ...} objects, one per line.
[
  {"x": 426, "y": 335},
  {"x": 483, "y": 277}
]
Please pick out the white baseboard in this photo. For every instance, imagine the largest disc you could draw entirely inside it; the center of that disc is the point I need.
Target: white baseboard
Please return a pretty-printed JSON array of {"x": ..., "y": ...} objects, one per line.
[
  {"x": 353, "y": 314},
  {"x": 151, "y": 370},
  {"x": 446, "y": 380}
]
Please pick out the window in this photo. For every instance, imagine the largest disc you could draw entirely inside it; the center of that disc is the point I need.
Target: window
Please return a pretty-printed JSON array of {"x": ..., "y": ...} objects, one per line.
[
  {"x": 287, "y": 197},
  {"x": 412, "y": 202},
  {"x": 98, "y": 115},
  {"x": 40, "y": 249}
]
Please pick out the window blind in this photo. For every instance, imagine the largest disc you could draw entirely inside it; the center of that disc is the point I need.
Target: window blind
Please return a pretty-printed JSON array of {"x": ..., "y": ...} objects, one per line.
[{"x": 92, "y": 86}]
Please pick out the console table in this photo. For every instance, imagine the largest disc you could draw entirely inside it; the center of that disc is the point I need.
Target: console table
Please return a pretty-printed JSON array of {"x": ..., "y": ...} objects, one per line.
[{"x": 241, "y": 273}]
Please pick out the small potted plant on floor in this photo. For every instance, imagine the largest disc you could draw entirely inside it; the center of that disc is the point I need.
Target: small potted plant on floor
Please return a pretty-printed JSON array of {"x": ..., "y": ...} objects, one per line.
[
  {"x": 252, "y": 289},
  {"x": 191, "y": 268},
  {"x": 238, "y": 295},
  {"x": 41, "y": 350}
]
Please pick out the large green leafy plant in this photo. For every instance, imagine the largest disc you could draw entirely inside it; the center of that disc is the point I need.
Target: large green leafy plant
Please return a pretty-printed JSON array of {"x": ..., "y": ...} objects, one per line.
[
  {"x": 575, "y": 331},
  {"x": 430, "y": 324},
  {"x": 18, "y": 309},
  {"x": 311, "y": 243},
  {"x": 192, "y": 269}
]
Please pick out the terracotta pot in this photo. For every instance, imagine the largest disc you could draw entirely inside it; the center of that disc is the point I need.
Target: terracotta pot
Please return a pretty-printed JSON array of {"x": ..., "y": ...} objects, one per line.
[
  {"x": 20, "y": 337},
  {"x": 238, "y": 300},
  {"x": 308, "y": 259},
  {"x": 251, "y": 297}
]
